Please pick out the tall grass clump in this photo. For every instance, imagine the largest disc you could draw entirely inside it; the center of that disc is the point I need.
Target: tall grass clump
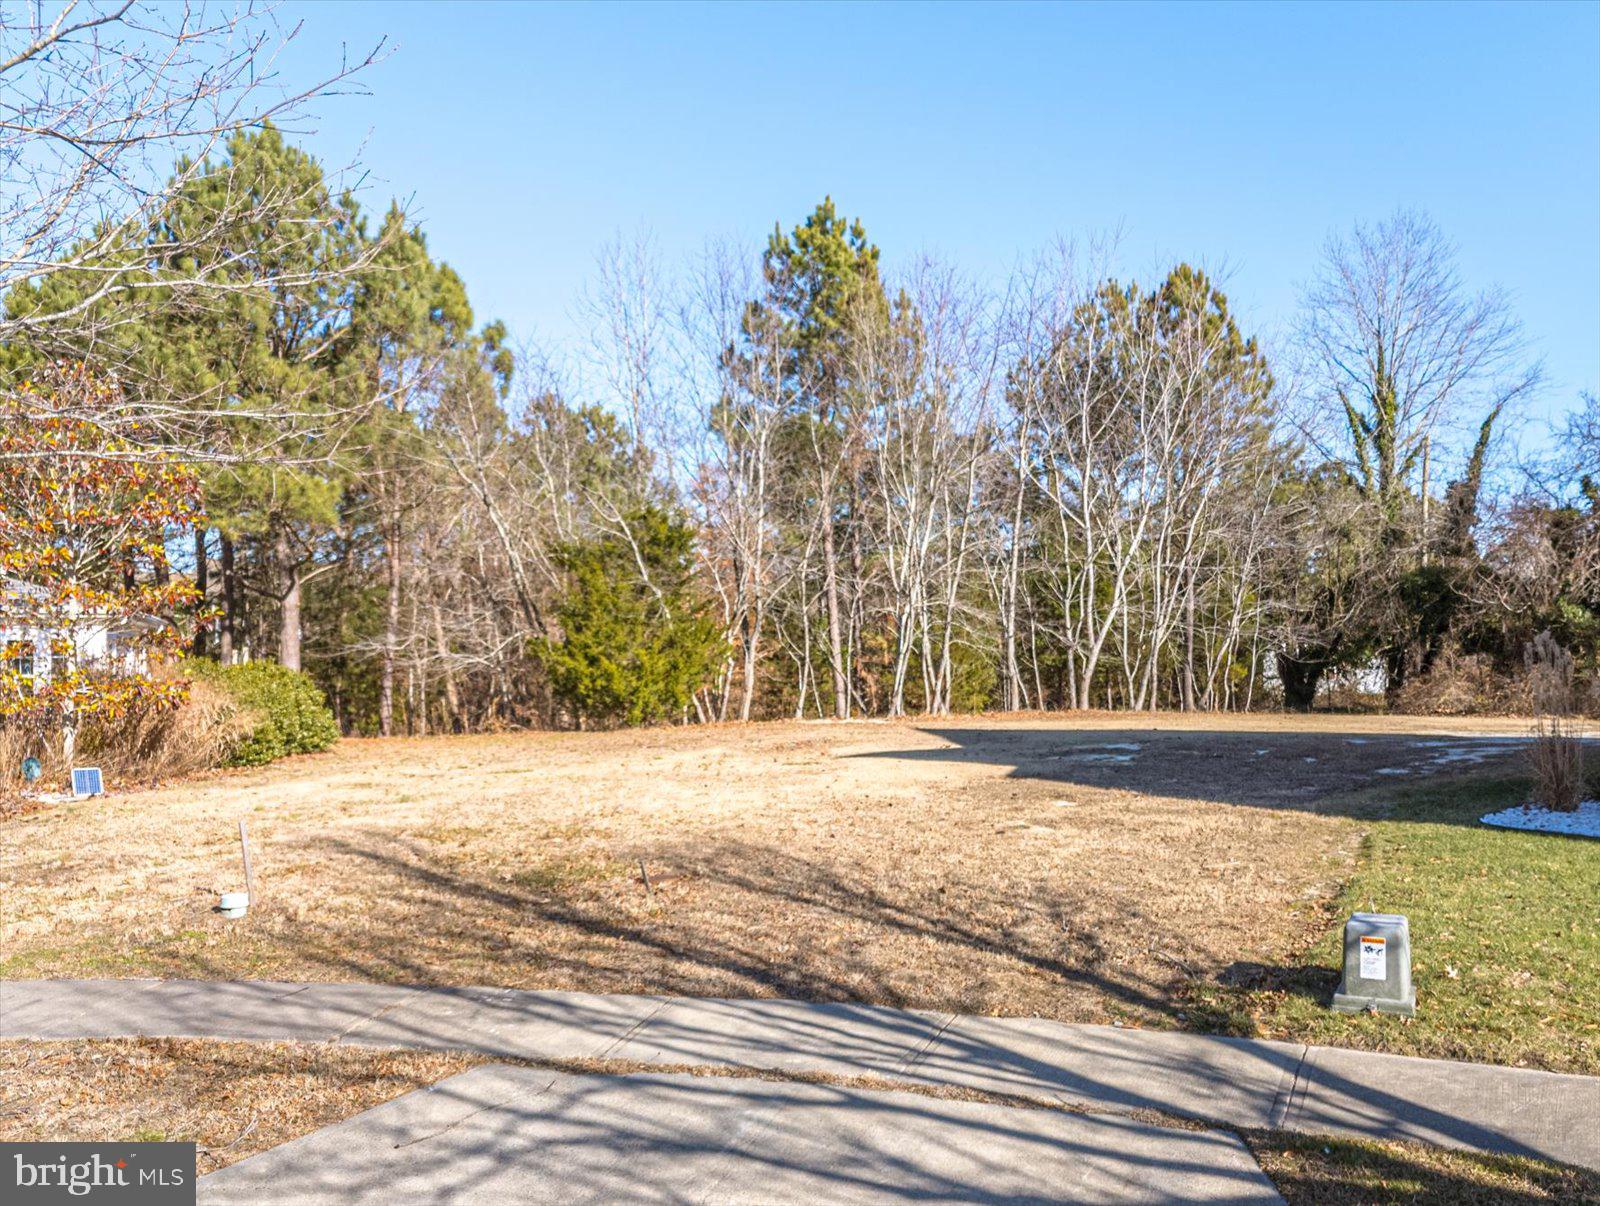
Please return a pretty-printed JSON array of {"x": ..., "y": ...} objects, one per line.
[
  {"x": 1556, "y": 752},
  {"x": 223, "y": 716},
  {"x": 168, "y": 743},
  {"x": 144, "y": 744}
]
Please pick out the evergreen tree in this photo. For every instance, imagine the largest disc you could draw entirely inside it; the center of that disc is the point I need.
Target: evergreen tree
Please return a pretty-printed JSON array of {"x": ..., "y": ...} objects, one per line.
[
  {"x": 271, "y": 359},
  {"x": 634, "y": 644},
  {"x": 823, "y": 290},
  {"x": 409, "y": 318}
]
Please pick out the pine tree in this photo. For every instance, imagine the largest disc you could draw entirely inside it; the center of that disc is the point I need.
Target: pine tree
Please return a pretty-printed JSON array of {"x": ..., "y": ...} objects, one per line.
[{"x": 823, "y": 289}]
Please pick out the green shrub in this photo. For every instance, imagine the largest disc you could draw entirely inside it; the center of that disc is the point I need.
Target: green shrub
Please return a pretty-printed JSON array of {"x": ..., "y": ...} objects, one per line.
[
  {"x": 634, "y": 647},
  {"x": 291, "y": 715}
]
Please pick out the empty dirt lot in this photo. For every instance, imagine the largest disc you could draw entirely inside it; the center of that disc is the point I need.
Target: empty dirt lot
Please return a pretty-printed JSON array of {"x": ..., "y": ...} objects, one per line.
[{"x": 1083, "y": 868}]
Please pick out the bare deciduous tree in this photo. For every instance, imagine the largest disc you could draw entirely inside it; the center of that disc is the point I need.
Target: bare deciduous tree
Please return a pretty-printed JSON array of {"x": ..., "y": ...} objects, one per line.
[
  {"x": 110, "y": 112},
  {"x": 1403, "y": 361},
  {"x": 97, "y": 102}
]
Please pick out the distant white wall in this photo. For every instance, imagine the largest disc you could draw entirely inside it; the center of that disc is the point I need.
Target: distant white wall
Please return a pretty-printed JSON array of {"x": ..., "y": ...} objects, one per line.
[{"x": 95, "y": 643}]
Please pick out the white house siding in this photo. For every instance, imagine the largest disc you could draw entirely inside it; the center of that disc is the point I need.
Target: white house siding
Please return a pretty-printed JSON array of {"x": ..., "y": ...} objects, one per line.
[{"x": 94, "y": 640}]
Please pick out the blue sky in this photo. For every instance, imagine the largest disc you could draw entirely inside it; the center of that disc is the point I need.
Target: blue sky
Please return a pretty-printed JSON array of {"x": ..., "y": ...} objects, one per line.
[{"x": 1237, "y": 137}]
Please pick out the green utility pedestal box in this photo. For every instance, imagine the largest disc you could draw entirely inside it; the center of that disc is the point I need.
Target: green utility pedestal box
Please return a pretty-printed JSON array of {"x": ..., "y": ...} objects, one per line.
[{"x": 1377, "y": 965}]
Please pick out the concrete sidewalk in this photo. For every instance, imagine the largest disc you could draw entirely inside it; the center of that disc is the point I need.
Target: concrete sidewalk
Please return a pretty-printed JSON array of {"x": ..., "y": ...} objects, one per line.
[
  {"x": 1231, "y": 1082},
  {"x": 517, "y": 1134}
]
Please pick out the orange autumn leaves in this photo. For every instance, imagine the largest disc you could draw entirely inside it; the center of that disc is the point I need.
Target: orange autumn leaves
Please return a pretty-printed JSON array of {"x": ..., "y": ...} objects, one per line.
[{"x": 86, "y": 506}]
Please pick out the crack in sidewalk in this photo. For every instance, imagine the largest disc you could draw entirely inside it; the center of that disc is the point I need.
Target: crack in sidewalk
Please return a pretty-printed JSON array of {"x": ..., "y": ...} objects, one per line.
[
  {"x": 483, "y": 1109},
  {"x": 363, "y": 1020},
  {"x": 627, "y": 1035},
  {"x": 910, "y": 1061}
]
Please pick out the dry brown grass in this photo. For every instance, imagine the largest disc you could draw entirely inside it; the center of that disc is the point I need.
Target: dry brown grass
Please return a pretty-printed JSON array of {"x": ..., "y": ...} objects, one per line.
[
  {"x": 232, "y": 1099},
  {"x": 1312, "y": 1170},
  {"x": 145, "y": 746},
  {"x": 1007, "y": 866},
  {"x": 170, "y": 743}
]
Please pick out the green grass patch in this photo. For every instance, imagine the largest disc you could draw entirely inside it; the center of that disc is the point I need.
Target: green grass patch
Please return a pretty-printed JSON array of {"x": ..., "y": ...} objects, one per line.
[
  {"x": 1505, "y": 931},
  {"x": 1313, "y": 1171},
  {"x": 567, "y": 872},
  {"x": 88, "y": 959},
  {"x": 95, "y": 956}
]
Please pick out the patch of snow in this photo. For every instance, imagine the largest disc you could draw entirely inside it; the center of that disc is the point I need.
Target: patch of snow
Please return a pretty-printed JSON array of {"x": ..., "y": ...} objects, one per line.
[
  {"x": 1260, "y": 753},
  {"x": 1471, "y": 754},
  {"x": 1450, "y": 743},
  {"x": 1583, "y": 822},
  {"x": 1308, "y": 759},
  {"x": 1440, "y": 743},
  {"x": 1065, "y": 803},
  {"x": 1357, "y": 740},
  {"x": 1452, "y": 752},
  {"x": 1108, "y": 751},
  {"x": 1393, "y": 770}
]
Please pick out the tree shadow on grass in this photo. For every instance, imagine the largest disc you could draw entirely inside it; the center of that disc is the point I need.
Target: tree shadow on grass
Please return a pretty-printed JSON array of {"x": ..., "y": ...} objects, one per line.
[
  {"x": 1314, "y": 983},
  {"x": 1228, "y": 1002},
  {"x": 1319, "y": 1171},
  {"x": 779, "y": 926},
  {"x": 1342, "y": 774}
]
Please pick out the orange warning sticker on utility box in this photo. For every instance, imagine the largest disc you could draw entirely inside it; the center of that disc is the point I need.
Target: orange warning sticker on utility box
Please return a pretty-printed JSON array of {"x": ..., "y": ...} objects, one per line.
[{"x": 1373, "y": 960}]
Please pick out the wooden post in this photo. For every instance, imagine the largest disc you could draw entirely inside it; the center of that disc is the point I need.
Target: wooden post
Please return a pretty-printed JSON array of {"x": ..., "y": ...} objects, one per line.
[{"x": 249, "y": 879}]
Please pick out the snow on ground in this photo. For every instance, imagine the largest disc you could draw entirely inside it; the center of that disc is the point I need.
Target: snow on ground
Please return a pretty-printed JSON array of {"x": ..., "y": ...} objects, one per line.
[
  {"x": 1104, "y": 752},
  {"x": 1584, "y": 822},
  {"x": 1452, "y": 752}
]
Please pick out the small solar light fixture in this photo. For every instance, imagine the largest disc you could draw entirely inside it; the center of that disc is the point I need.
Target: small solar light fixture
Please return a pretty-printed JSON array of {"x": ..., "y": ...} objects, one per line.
[
  {"x": 1377, "y": 966},
  {"x": 86, "y": 782}
]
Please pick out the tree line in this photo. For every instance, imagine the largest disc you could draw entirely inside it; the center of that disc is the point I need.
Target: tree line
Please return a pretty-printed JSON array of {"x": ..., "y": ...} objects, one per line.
[{"x": 795, "y": 483}]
